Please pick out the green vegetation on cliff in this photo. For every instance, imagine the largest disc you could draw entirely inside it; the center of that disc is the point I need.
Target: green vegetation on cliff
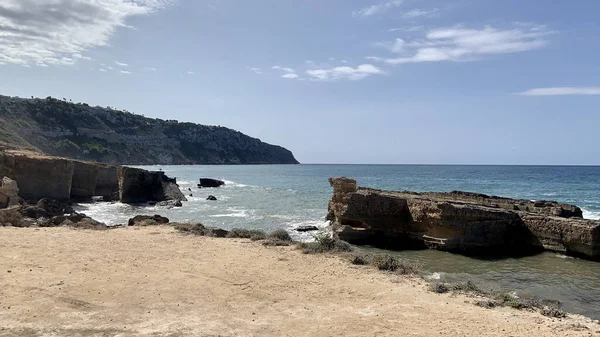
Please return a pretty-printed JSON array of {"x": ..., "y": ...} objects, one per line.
[{"x": 77, "y": 130}]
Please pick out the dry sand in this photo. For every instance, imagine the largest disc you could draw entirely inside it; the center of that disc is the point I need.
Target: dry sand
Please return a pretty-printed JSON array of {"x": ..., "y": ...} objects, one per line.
[{"x": 155, "y": 282}]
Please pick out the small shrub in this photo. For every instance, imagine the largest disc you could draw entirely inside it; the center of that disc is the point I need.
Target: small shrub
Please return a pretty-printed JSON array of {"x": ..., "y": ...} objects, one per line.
[
  {"x": 386, "y": 262},
  {"x": 243, "y": 233},
  {"x": 439, "y": 288},
  {"x": 360, "y": 259},
  {"x": 325, "y": 244},
  {"x": 257, "y": 237},
  {"x": 280, "y": 234},
  {"x": 467, "y": 287},
  {"x": 553, "y": 312}
]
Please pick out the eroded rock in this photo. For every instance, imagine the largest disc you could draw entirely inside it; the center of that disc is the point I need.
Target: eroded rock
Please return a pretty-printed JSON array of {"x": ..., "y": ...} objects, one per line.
[
  {"x": 459, "y": 221},
  {"x": 209, "y": 182},
  {"x": 147, "y": 220}
]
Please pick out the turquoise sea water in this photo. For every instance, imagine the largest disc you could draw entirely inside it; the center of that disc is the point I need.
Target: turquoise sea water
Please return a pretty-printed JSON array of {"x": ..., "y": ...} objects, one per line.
[{"x": 287, "y": 196}]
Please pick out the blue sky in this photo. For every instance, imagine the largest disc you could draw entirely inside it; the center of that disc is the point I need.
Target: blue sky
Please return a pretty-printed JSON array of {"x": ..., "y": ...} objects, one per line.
[{"x": 335, "y": 81}]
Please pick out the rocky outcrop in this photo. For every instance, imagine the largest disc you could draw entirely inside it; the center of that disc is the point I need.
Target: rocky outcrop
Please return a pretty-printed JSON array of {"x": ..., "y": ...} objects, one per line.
[
  {"x": 146, "y": 220},
  {"x": 459, "y": 221},
  {"x": 138, "y": 186},
  {"x": 83, "y": 132},
  {"x": 209, "y": 182},
  {"x": 38, "y": 176},
  {"x": 9, "y": 193}
]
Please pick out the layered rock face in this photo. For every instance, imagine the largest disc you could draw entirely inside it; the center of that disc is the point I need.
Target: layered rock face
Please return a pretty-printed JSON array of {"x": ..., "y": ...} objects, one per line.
[
  {"x": 40, "y": 176},
  {"x": 459, "y": 221}
]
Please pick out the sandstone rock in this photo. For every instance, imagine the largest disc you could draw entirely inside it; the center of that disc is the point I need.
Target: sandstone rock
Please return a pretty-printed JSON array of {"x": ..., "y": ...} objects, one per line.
[
  {"x": 11, "y": 216},
  {"x": 211, "y": 198},
  {"x": 9, "y": 193},
  {"x": 459, "y": 221},
  {"x": 146, "y": 220},
  {"x": 209, "y": 182},
  {"x": 38, "y": 176},
  {"x": 83, "y": 184},
  {"x": 107, "y": 183},
  {"x": 138, "y": 186}
]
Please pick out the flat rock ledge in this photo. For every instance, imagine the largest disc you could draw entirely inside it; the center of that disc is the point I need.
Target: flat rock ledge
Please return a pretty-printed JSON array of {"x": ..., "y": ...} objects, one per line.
[{"x": 463, "y": 222}]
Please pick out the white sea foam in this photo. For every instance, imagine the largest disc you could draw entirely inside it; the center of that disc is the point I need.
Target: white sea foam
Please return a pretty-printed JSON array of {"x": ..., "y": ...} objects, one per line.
[
  {"x": 594, "y": 215},
  {"x": 434, "y": 276}
]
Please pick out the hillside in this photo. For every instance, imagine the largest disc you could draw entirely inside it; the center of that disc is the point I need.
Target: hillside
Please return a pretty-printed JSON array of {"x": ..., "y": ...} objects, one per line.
[{"x": 80, "y": 131}]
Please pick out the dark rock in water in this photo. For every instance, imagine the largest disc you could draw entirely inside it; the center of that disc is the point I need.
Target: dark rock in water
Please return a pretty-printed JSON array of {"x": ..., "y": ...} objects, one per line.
[
  {"x": 189, "y": 189},
  {"x": 208, "y": 182},
  {"x": 211, "y": 198},
  {"x": 178, "y": 203},
  {"x": 307, "y": 228},
  {"x": 146, "y": 220},
  {"x": 191, "y": 195},
  {"x": 51, "y": 206},
  {"x": 34, "y": 212},
  {"x": 137, "y": 186},
  {"x": 170, "y": 203}
]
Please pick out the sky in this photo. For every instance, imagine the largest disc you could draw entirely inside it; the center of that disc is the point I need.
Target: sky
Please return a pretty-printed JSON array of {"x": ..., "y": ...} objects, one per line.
[{"x": 334, "y": 81}]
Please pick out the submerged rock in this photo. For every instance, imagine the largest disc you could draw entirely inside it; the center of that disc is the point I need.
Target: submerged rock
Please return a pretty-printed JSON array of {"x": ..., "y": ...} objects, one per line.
[
  {"x": 209, "y": 182},
  {"x": 464, "y": 222}
]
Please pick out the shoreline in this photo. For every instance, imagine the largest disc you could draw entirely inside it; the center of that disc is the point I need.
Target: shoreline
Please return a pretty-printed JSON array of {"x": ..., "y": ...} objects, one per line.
[{"x": 143, "y": 281}]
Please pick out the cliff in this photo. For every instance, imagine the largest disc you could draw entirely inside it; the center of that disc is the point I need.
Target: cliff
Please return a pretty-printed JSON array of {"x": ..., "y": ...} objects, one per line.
[
  {"x": 79, "y": 131},
  {"x": 459, "y": 221}
]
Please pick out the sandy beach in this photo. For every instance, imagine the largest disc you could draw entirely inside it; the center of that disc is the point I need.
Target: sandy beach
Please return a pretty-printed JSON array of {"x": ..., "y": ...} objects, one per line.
[{"x": 154, "y": 281}]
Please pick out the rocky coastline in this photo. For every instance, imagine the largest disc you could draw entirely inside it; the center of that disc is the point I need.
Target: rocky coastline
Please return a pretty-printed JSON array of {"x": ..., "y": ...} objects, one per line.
[{"x": 461, "y": 222}]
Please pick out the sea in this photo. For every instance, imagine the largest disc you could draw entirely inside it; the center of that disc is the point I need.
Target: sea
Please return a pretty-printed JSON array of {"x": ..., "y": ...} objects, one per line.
[{"x": 270, "y": 197}]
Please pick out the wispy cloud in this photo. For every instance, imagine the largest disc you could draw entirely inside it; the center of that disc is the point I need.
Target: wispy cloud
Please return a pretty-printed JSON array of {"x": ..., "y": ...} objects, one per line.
[
  {"x": 415, "y": 13},
  {"x": 407, "y": 29},
  {"x": 378, "y": 8},
  {"x": 287, "y": 70},
  {"x": 190, "y": 72},
  {"x": 463, "y": 44},
  {"x": 102, "y": 70},
  {"x": 257, "y": 71},
  {"x": 149, "y": 69},
  {"x": 561, "y": 91},
  {"x": 125, "y": 72},
  {"x": 121, "y": 64},
  {"x": 42, "y": 32},
  {"x": 290, "y": 76},
  {"x": 348, "y": 73}
]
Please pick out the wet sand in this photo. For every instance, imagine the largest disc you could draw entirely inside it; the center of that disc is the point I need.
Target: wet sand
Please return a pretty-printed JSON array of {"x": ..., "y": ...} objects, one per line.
[{"x": 156, "y": 282}]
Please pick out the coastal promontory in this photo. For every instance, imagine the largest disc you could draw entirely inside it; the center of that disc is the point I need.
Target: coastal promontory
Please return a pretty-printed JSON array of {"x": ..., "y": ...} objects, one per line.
[{"x": 77, "y": 130}]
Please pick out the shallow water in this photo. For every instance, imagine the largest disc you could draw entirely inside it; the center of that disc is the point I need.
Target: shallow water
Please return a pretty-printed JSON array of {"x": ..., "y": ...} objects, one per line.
[{"x": 282, "y": 196}]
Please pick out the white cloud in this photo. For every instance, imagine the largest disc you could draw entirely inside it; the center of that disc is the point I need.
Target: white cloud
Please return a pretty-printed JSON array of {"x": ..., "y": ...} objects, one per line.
[
  {"x": 58, "y": 32},
  {"x": 110, "y": 68},
  {"x": 463, "y": 44},
  {"x": 121, "y": 64},
  {"x": 415, "y": 13},
  {"x": 258, "y": 71},
  {"x": 287, "y": 70},
  {"x": 102, "y": 70},
  {"x": 379, "y": 8},
  {"x": 125, "y": 72},
  {"x": 149, "y": 69},
  {"x": 290, "y": 76},
  {"x": 191, "y": 72},
  {"x": 562, "y": 91},
  {"x": 408, "y": 29},
  {"x": 348, "y": 73},
  {"x": 344, "y": 61}
]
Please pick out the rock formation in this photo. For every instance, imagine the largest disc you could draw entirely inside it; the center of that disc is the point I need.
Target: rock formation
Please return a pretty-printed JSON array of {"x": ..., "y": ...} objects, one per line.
[
  {"x": 9, "y": 193},
  {"x": 41, "y": 176},
  {"x": 209, "y": 182},
  {"x": 459, "y": 221}
]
